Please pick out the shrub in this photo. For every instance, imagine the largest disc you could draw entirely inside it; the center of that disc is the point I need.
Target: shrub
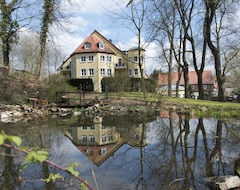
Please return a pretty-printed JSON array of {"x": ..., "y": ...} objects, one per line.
[{"x": 57, "y": 83}]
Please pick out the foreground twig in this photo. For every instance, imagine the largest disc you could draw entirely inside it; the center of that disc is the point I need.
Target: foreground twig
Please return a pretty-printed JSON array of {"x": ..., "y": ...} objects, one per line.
[{"x": 51, "y": 163}]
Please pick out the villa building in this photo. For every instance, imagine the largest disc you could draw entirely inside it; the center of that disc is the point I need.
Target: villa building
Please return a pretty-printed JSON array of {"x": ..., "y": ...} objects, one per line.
[
  {"x": 208, "y": 80},
  {"x": 96, "y": 58}
]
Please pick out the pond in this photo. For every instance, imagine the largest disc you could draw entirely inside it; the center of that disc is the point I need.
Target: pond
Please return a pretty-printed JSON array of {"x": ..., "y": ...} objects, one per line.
[{"x": 164, "y": 151}]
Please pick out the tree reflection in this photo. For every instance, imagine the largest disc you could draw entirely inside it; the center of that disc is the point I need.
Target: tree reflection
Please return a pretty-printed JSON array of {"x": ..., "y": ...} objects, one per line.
[
  {"x": 9, "y": 177},
  {"x": 172, "y": 152}
]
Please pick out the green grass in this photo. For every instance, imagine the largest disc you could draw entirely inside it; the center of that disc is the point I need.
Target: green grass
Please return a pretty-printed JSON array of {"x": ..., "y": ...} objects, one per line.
[{"x": 181, "y": 101}]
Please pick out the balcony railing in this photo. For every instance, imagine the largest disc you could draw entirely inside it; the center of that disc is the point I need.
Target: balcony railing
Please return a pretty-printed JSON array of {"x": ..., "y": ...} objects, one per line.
[
  {"x": 120, "y": 66},
  {"x": 65, "y": 68}
]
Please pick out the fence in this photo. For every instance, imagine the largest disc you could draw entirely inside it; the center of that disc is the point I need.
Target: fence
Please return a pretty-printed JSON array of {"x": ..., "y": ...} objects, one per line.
[{"x": 75, "y": 99}]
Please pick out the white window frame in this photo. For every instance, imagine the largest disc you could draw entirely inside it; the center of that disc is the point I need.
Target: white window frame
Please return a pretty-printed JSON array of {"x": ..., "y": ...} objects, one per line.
[
  {"x": 102, "y": 58},
  {"x": 109, "y": 59},
  {"x": 89, "y": 151},
  {"x": 84, "y": 138},
  {"x": 91, "y": 72},
  {"x": 90, "y": 59},
  {"x": 102, "y": 72},
  {"x": 87, "y": 46},
  {"x": 135, "y": 72},
  {"x": 135, "y": 58},
  {"x": 92, "y": 138},
  {"x": 109, "y": 72},
  {"x": 83, "y": 59},
  {"x": 101, "y": 45},
  {"x": 104, "y": 139},
  {"x": 83, "y": 72},
  {"x": 103, "y": 151}
]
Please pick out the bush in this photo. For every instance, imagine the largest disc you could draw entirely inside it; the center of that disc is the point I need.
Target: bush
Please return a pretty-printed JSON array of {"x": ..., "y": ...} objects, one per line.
[{"x": 57, "y": 83}]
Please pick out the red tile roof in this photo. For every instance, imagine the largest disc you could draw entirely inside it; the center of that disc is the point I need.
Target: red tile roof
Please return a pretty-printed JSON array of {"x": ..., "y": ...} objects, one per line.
[
  {"x": 94, "y": 39},
  {"x": 193, "y": 79}
]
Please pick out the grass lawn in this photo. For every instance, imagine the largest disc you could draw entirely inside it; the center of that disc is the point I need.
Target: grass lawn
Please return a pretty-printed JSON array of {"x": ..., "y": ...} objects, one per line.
[{"x": 179, "y": 101}]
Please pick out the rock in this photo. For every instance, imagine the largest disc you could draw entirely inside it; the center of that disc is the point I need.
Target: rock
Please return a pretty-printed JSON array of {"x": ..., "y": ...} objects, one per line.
[
  {"x": 77, "y": 113},
  {"x": 225, "y": 182},
  {"x": 54, "y": 109},
  {"x": 11, "y": 116}
]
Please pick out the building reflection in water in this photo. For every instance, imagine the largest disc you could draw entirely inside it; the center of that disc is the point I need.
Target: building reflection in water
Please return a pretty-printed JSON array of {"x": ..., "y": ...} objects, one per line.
[{"x": 98, "y": 142}]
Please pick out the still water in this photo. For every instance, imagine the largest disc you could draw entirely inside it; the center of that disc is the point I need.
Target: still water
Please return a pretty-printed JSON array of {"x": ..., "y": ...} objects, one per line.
[{"x": 125, "y": 152}]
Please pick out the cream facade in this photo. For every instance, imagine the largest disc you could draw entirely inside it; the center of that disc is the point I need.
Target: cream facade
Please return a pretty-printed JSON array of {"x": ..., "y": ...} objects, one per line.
[{"x": 96, "y": 58}]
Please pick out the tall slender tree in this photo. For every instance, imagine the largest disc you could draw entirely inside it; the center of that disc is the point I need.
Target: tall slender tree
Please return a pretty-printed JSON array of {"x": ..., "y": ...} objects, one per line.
[
  {"x": 138, "y": 13},
  {"x": 47, "y": 19},
  {"x": 216, "y": 17},
  {"x": 8, "y": 27}
]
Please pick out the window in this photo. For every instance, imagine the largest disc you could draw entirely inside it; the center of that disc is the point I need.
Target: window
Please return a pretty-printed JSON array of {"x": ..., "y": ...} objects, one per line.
[
  {"x": 84, "y": 138},
  {"x": 101, "y": 45},
  {"x": 205, "y": 87},
  {"x": 103, "y": 151},
  {"x": 102, "y": 58},
  {"x": 89, "y": 152},
  {"x": 135, "y": 58},
  {"x": 91, "y": 72},
  {"x": 92, "y": 127},
  {"x": 83, "y": 72},
  {"x": 137, "y": 136},
  {"x": 84, "y": 127},
  {"x": 109, "y": 72},
  {"x": 110, "y": 138},
  {"x": 90, "y": 58},
  {"x": 87, "y": 45},
  {"x": 130, "y": 72},
  {"x": 104, "y": 127},
  {"x": 102, "y": 72},
  {"x": 104, "y": 138},
  {"x": 83, "y": 58},
  {"x": 135, "y": 71},
  {"x": 109, "y": 59},
  {"x": 120, "y": 61},
  {"x": 92, "y": 138}
]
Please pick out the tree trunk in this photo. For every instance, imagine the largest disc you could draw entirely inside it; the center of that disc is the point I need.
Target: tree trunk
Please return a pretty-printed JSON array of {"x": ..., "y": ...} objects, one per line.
[
  {"x": 210, "y": 14},
  {"x": 143, "y": 88},
  {"x": 47, "y": 19}
]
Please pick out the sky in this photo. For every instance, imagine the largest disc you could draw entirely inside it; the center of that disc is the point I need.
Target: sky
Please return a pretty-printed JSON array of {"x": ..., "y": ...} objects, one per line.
[{"x": 89, "y": 15}]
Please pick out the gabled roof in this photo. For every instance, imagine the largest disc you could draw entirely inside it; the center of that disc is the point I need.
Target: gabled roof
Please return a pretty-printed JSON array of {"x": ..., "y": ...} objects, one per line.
[
  {"x": 94, "y": 39},
  {"x": 193, "y": 79}
]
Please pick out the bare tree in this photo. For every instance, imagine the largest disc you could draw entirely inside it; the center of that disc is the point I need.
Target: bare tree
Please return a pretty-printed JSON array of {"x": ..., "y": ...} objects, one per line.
[
  {"x": 137, "y": 18},
  {"x": 216, "y": 17},
  {"x": 28, "y": 50},
  {"x": 163, "y": 21},
  {"x": 133, "y": 16}
]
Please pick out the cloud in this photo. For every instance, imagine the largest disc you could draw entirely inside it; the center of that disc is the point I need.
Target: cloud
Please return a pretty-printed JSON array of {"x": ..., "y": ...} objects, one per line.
[{"x": 97, "y": 7}]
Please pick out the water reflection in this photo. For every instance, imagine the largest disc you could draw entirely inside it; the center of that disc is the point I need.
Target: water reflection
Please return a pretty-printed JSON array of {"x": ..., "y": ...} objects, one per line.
[
  {"x": 167, "y": 151},
  {"x": 99, "y": 141},
  {"x": 172, "y": 151}
]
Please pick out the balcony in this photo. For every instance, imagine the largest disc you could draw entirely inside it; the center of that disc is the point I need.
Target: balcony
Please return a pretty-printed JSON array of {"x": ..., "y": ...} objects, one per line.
[
  {"x": 65, "y": 68},
  {"x": 120, "y": 66}
]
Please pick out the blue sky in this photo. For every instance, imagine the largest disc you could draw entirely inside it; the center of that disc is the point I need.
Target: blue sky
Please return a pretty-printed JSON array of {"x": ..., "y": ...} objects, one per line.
[{"x": 89, "y": 15}]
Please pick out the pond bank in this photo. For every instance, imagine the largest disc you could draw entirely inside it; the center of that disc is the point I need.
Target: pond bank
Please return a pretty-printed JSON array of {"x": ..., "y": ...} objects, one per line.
[{"x": 26, "y": 112}]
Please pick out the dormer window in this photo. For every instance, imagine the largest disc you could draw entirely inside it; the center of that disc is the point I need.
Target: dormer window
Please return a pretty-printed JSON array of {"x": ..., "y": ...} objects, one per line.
[
  {"x": 87, "y": 45},
  {"x": 101, "y": 45}
]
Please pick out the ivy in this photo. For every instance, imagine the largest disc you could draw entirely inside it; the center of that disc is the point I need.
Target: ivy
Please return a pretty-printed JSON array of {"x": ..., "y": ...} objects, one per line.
[
  {"x": 12, "y": 139},
  {"x": 54, "y": 177},
  {"x": 71, "y": 168},
  {"x": 36, "y": 156}
]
